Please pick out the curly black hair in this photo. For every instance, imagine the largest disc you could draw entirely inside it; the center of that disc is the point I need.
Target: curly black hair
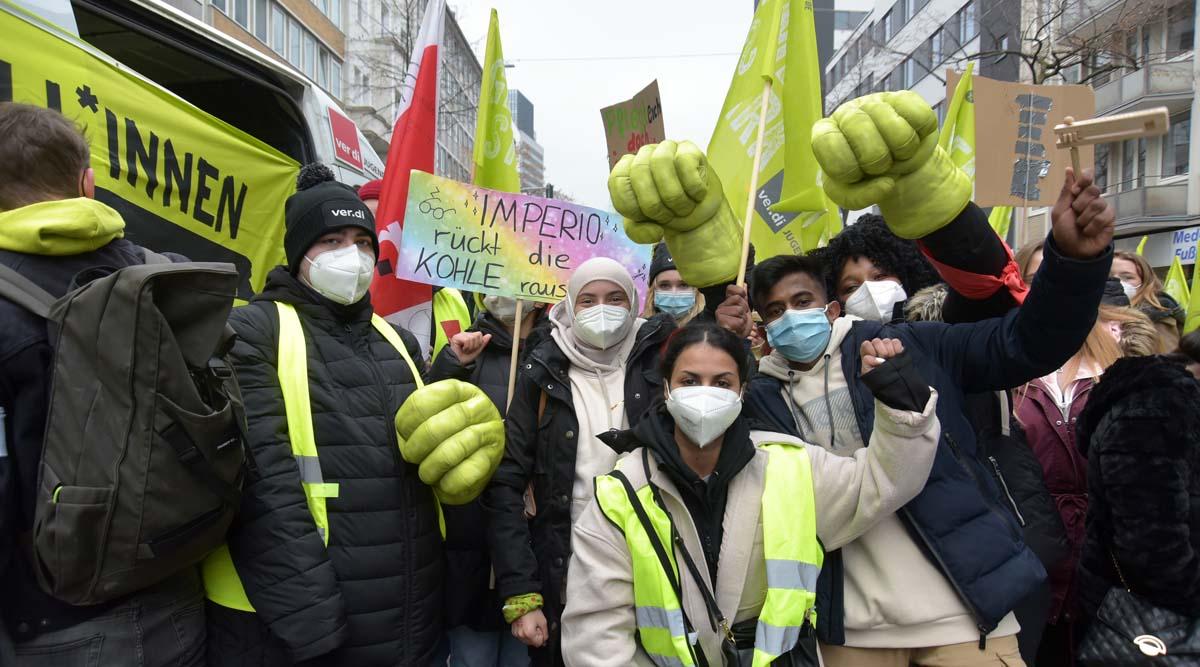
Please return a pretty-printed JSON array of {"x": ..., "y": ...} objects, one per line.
[{"x": 870, "y": 237}]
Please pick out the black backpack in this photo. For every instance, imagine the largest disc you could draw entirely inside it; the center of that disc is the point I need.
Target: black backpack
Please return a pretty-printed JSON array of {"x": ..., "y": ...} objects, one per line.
[{"x": 142, "y": 461}]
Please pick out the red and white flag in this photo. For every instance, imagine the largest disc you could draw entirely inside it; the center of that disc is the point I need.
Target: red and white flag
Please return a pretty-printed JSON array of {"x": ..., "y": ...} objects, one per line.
[{"x": 408, "y": 304}]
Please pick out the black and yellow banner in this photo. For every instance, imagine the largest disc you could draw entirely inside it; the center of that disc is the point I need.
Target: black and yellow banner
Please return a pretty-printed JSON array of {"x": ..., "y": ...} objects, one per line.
[{"x": 184, "y": 181}]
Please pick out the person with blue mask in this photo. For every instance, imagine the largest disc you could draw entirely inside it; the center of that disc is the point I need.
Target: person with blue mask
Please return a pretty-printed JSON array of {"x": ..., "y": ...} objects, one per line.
[
  {"x": 939, "y": 579},
  {"x": 668, "y": 292}
]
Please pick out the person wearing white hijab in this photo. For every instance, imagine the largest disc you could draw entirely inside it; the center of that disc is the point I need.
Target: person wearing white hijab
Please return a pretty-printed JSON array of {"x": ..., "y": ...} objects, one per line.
[{"x": 598, "y": 372}]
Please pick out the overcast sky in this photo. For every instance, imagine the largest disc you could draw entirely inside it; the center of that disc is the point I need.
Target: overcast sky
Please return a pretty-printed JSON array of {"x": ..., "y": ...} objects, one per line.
[{"x": 540, "y": 35}]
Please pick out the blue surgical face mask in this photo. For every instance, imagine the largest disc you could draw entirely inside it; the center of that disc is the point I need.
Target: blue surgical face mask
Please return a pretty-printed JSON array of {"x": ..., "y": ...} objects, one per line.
[
  {"x": 800, "y": 335},
  {"x": 677, "y": 304}
]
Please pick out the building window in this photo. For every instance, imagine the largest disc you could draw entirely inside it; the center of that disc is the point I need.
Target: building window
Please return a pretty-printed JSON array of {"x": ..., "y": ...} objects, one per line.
[
  {"x": 260, "y": 20},
  {"x": 322, "y": 68},
  {"x": 950, "y": 36},
  {"x": 335, "y": 78},
  {"x": 910, "y": 9},
  {"x": 241, "y": 13},
  {"x": 278, "y": 30},
  {"x": 1181, "y": 28},
  {"x": 294, "y": 44},
  {"x": 310, "y": 56},
  {"x": 1175, "y": 146},
  {"x": 936, "y": 51},
  {"x": 889, "y": 30},
  {"x": 1133, "y": 164},
  {"x": 361, "y": 17},
  {"x": 1102, "y": 152},
  {"x": 385, "y": 18},
  {"x": 968, "y": 26},
  {"x": 219, "y": 4}
]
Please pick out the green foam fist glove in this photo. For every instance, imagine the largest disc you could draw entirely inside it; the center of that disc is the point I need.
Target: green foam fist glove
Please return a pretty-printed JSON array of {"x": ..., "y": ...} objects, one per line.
[
  {"x": 883, "y": 149},
  {"x": 668, "y": 191},
  {"x": 453, "y": 432}
]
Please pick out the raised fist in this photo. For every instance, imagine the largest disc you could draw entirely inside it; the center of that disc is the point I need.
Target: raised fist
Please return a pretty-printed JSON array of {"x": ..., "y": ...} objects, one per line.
[
  {"x": 669, "y": 191},
  {"x": 883, "y": 149}
]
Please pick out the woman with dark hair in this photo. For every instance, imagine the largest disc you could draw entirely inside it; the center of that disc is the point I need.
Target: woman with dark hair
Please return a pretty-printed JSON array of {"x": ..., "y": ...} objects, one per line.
[
  {"x": 872, "y": 270},
  {"x": 695, "y": 534}
]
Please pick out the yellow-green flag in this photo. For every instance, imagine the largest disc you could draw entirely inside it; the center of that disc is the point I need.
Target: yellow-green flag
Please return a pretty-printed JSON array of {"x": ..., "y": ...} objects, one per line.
[
  {"x": 1176, "y": 282},
  {"x": 791, "y": 212},
  {"x": 495, "y": 154},
  {"x": 1000, "y": 218},
  {"x": 1193, "y": 309},
  {"x": 1142, "y": 244},
  {"x": 957, "y": 137}
]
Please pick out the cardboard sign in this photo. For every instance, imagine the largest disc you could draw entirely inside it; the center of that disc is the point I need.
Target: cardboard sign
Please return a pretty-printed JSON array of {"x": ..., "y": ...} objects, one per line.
[
  {"x": 1018, "y": 163},
  {"x": 471, "y": 238},
  {"x": 633, "y": 123},
  {"x": 345, "y": 139}
]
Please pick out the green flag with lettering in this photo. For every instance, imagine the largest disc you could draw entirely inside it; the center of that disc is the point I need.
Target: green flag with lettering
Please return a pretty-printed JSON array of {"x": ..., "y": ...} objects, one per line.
[{"x": 495, "y": 154}]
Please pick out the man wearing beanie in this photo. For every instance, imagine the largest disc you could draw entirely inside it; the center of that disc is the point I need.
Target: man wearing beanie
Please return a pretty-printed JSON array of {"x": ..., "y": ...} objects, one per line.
[{"x": 336, "y": 556}]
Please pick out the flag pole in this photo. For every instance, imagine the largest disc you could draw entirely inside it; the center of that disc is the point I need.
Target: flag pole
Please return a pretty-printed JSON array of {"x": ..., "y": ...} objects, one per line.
[
  {"x": 516, "y": 346},
  {"x": 758, "y": 150}
]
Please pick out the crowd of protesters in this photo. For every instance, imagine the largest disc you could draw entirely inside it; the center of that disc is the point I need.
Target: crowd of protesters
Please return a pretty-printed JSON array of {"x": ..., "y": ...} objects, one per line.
[{"x": 912, "y": 446}]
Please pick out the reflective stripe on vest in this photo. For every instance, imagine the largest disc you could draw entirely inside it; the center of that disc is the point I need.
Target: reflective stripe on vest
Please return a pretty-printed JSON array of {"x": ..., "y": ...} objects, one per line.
[
  {"x": 791, "y": 549},
  {"x": 656, "y": 607},
  {"x": 221, "y": 582},
  {"x": 448, "y": 306},
  {"x": 792, "y": 553}
]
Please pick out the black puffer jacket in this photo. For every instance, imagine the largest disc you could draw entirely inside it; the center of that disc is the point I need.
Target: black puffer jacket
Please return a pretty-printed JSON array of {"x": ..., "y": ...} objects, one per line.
[
  {"x": 470, "y": 600},
  {"x": 1141, "y": 434},
  {"x": 374, "y": 596},
  {"x": 543, "y": 452}
]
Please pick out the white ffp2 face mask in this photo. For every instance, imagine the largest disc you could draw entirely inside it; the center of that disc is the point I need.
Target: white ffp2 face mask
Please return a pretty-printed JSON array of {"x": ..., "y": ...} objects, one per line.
[
  {"x": 703, "y": 413},
  {"x": 343, "y": 275},
  {"x": 1130, "y": 290},
  {"x": 502, "y": 308},
  {"x": 875, "y": 300},
  {"x": 602, "y": 326}
]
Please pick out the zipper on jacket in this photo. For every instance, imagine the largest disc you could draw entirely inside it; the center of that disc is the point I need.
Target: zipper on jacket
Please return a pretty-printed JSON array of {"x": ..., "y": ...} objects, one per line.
[
  {"x": 1007, "y": 493},
  {"x": 983, "y": 631},
  {"x": 966, "y": 465}
]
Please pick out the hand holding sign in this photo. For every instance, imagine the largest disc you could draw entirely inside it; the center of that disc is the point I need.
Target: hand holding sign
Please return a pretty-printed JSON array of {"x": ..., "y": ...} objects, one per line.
[{"x": 669, "y": 191}]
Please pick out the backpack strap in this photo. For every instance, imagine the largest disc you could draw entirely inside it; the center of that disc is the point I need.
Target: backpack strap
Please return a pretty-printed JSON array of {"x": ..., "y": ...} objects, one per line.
[
  {"x": 23, "y": 292},
  {"x": 151, "y": 257}
]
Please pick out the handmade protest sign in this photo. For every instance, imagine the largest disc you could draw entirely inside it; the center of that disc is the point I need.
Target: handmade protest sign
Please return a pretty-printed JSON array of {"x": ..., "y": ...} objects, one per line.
[
  {"x": 1023, "y": 167},
  {"x": 471, "y": 238},
  {"x": 631, "y": 124}
]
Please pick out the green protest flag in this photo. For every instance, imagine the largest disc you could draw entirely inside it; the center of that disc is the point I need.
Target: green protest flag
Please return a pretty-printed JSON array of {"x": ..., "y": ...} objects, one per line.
[
  {"x": 495, "y": 154},
  {"x": 1176, "y": 282},
  {"x": 791, "y": 213}
]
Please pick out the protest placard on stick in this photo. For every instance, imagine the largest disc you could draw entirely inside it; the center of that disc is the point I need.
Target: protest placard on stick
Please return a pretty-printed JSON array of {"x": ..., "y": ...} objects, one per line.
[
  {"x": 631, "y": 124},
  {"x": 520, "y": 246},
  {"x": 1021, "y": 165}
]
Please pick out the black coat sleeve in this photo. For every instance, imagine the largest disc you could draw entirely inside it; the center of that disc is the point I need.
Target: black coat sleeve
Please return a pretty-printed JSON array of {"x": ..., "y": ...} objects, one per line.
[
  {"x": 509, "y": 537},
  {"x": 1029, "y": 341},
  {"x": 1144, "y": 478},
  {"x": 447, "y": 367},
  {"x": 276, "y": 549},
  {"x": 968, "y": 243}
]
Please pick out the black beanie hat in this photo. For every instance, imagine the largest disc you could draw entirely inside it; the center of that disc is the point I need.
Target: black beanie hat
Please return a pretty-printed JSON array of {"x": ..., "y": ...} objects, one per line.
[
  {"x": 661, "y": 261},
  {"x": 321, "y": 205}
]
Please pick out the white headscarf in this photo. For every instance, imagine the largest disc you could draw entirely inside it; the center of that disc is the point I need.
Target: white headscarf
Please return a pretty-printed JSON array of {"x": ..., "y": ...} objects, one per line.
[{"x": 563, "y": 316}]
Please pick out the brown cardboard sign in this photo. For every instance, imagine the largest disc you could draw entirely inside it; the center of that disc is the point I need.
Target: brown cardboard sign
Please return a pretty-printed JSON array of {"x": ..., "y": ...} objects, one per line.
[
  {"x": 631, "y": 124},
  {"x": 1016, "y": 161}
]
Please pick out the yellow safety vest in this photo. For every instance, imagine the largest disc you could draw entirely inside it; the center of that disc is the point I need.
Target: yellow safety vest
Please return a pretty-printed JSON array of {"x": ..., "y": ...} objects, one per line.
[
  {"x": 221, "y": 582},
  {"x": 448, "y": 304},
  {"x": 791, "y": 550}
]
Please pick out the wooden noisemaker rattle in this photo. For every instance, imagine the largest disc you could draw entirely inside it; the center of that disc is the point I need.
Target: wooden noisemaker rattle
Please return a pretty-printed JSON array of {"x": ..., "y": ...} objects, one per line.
[{"x": 1119, "y": 127}]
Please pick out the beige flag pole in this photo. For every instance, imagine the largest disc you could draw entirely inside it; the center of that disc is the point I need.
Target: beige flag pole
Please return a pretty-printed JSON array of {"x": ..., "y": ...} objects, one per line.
[
  {"x": 512, "y": 365},
  {"x": 758, "y": 150}
]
